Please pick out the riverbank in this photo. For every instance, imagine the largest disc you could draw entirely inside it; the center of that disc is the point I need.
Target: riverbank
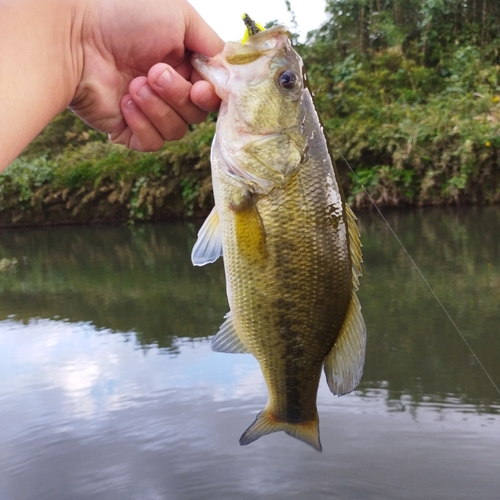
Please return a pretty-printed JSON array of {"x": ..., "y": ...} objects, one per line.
[
  {"x": 412, "y": 112},
  {"x": 444, "y": 151},
  {"x": 101, "y": 183}
]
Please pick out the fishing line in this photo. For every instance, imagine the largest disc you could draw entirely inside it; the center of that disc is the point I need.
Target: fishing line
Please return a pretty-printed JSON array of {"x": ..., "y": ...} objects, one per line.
[{"x": 414, "y": 264}]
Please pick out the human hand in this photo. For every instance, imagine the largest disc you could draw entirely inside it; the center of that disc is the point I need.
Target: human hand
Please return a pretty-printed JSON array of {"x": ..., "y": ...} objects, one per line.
[{"x": 137, "y": 83}]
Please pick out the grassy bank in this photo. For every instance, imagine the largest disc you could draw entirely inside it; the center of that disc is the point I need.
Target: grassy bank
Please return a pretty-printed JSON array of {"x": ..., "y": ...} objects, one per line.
[{"x": 98, "y": 182}]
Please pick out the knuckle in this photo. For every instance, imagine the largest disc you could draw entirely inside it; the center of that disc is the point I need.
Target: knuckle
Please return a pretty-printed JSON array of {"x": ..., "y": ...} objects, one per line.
[
  {"x": 184, "y": 97},
  {"x": 146, "y": 144},
  {"x": 156, "y": 146},
  {"x": 177, "y": 133},
  {"x": 137, "y": 145},
  {"x": 121, "y": 139},
  {"x": 164, "y": 113}
]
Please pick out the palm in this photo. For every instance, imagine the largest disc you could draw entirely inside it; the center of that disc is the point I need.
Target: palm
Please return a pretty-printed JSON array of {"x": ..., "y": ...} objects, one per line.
[{"x": 113, "y": 60}]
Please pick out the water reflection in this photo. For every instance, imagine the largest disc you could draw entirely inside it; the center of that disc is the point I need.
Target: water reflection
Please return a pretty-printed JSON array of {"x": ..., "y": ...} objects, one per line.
[
  {"x": 141, "y": 280},
  {"x": 123, "y": 279},
  {"x": 88, "y": 417},
  {"x": 413, "y": 346},
  {"x": 109, "y": 388}
]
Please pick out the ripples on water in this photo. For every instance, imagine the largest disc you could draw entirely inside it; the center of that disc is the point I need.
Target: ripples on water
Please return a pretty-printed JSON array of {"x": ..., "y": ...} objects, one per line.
[{"x": 109, "y": 389}]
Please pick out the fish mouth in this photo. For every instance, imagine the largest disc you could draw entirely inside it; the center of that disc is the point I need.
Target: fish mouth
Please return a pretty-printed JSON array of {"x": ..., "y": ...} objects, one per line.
[
  {"x": 200, "y": 63},
  {"x": 214, "y": 71},
  {"x": 218, "y": 69}
]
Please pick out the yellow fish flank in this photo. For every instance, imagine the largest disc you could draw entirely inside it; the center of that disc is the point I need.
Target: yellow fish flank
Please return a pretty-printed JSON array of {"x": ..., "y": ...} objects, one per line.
[{"x": 291, "y": 246}]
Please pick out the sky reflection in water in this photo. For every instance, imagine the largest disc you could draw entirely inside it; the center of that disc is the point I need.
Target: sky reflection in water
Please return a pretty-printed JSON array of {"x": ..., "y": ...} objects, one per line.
[{"x": 92, "y": 409}]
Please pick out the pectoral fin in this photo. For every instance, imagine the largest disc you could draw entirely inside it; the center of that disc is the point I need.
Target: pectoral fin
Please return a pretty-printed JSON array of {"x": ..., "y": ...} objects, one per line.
[
  {"x": 208, "y": 246},
  {"x": 250, "y": 232},
  {"x": 227, "y": 339}
]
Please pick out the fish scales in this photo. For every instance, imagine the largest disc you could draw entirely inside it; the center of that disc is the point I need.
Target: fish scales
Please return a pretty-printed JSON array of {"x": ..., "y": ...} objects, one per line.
[
  {"x": 300, "y": 323},
  {"x": 287, "y": 254}
]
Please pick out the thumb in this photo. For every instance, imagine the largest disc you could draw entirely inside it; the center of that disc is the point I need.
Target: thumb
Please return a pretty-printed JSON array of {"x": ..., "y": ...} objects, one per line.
[{"x": 199, "y": 36}]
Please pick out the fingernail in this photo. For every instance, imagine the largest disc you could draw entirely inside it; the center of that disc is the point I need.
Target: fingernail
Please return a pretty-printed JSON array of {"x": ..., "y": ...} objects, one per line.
[
  {"x": 144, "y": 92},
  {"x": 163, "y": 79},
  {"x": 130, "y": 105}
]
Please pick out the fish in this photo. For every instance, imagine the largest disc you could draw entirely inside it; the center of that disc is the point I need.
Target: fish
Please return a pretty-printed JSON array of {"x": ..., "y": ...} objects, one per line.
[{"x": 289, "y": 242}]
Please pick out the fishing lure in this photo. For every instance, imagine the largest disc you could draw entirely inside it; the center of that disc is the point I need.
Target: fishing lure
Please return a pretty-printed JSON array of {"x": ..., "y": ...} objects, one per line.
[{"x": 252, "y": 27}]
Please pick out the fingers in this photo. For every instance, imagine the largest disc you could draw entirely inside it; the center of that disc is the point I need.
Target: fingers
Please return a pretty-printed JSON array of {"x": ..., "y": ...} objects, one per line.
[
  {"x": 203, "y": 95},
  {"x": 190, "y": 101},
  {"x": 174, "y": 90},
  {"x": 160, "y": 113},
  {"x": 199, "y": 36},
  {"x": 160, "y": 107},
  {"x": 137, "y": 132}
]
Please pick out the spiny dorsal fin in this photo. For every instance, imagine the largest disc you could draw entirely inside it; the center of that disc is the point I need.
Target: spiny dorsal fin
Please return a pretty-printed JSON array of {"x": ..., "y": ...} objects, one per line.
[
  {"x": 354, "y": 246},
  {"x": 227, "y": 339},
  {"x": 208, "y": 246}
]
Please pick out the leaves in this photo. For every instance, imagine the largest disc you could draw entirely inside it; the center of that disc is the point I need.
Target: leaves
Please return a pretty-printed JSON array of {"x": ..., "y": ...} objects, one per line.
[
  {"x": 104, "y": 182},
  {"x": 413, "y": 133},
  {"x": 408, "y": 93}
]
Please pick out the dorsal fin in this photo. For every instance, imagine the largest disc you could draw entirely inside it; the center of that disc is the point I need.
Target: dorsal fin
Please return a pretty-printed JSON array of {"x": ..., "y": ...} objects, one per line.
[
  {"x": 344, "y": 364},
  {"x": 354, "y": 246}
]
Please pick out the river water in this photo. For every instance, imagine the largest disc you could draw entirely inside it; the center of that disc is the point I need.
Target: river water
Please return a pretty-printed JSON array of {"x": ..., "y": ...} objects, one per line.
[{"x": 109, "y": 390}]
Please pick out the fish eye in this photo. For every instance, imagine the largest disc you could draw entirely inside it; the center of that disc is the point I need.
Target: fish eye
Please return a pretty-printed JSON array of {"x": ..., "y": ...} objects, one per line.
[{"x": 287, "y": 79}]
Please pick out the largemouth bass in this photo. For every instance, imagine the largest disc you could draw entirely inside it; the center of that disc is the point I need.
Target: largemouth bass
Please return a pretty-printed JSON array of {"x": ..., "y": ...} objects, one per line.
[{"x": 290, "y": 243}]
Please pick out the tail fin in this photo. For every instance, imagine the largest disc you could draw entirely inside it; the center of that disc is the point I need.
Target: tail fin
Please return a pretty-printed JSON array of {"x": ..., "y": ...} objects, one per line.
[{"x": 266, "y": 423}]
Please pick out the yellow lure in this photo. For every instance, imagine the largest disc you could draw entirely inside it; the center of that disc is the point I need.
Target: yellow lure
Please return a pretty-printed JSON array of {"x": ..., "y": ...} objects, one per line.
[{"x": 251, "y": 27}]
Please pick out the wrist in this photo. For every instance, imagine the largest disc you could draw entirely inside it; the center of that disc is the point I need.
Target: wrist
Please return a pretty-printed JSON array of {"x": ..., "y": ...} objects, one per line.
[
  {"x": 40, "y": 65},
  {"x": 71, "y": 64}
]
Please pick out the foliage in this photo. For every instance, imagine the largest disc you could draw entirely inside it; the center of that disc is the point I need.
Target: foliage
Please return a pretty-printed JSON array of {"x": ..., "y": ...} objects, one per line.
[
  {"x": 412, "y": 106},
  {"x": 65, "y": 130},
  {"x": 7, "y": 264},
  {"x": 428, "y": 29},
  {"x": 408, "y": 92},
  {"x": 98, "y": 181}
]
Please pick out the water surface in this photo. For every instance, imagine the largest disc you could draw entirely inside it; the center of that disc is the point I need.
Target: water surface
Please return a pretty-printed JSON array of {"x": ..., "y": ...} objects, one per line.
[{"x": 109, "y": 389}]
